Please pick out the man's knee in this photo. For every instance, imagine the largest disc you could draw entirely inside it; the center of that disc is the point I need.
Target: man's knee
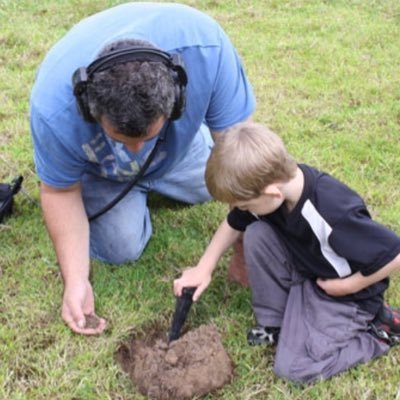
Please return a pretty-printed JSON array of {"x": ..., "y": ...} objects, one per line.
[
  {"x": 119, "y": 255},
  {"x": 120, "y": 248}
]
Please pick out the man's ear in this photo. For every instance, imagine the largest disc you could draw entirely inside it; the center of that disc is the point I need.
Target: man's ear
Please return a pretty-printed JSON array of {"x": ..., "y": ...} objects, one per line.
[{"x": 272, "y": 190}]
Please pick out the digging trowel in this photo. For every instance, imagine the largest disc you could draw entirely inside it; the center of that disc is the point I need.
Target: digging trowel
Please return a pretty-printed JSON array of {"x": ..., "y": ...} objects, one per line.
[{"x": 183, "y": 304}]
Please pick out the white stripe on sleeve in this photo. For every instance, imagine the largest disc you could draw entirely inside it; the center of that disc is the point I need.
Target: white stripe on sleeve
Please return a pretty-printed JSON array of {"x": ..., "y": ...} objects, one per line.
[{"x": 322, "y": 230}]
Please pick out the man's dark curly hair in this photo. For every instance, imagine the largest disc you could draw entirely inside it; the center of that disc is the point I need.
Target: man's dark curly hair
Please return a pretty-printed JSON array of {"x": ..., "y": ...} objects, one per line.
[{"x": 131, "y": 95}]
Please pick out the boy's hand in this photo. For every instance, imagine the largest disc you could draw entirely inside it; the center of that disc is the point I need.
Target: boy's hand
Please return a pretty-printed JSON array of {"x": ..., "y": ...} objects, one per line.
[
  {"x": 333, "y": 287},
  {"x": 341, "y": 286},
  {"x": 192, "y": 277}
]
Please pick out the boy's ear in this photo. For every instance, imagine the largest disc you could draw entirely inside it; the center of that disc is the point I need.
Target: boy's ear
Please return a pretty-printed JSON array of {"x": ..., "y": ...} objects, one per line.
[{"x": 272, "y": 190}]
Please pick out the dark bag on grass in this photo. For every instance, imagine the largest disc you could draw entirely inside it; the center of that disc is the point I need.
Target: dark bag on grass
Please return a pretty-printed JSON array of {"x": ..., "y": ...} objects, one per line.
[{"x": 7, "y": 192}]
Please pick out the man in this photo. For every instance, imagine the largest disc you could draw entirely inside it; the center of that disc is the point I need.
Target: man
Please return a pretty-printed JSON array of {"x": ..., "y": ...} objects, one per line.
[{"x": 92, "y": 134}]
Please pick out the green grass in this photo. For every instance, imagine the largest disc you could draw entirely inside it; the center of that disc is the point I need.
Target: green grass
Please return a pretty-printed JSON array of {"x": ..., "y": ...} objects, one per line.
[{"x": 326, "y": 76}]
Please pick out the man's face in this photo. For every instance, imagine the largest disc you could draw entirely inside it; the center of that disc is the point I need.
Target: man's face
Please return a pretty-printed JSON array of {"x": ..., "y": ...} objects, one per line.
[{"x": 133, "y": 144}]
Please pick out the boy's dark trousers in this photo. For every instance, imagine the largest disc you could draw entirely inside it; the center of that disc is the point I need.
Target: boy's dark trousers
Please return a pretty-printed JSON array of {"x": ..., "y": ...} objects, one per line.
[{"x": 320, "y": 336}]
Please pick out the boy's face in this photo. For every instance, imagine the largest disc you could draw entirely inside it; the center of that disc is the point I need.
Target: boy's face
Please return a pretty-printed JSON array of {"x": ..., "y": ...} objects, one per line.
[{"x": 269, "y": 201}]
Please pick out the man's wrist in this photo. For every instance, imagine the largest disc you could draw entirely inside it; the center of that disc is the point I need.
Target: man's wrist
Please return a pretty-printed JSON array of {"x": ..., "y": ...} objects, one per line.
[{"x": 72, "y": 279}]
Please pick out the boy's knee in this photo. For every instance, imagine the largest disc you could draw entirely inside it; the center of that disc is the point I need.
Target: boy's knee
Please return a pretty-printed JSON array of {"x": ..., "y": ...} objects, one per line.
[
  {"x": 282, "y": 369},
  {"x": 299, "y": 369},
  {"x": 285, "y": 370}
]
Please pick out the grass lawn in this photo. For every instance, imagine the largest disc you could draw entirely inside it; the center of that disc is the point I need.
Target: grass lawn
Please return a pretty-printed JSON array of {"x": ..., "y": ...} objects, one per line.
[{"x": 326, "y": 77}]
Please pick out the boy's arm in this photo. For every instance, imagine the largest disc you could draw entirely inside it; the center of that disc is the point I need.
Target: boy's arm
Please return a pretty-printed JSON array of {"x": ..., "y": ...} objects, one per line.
[
  {"x": 200, "y": 276},
  {"x": 356, "y": 282}
]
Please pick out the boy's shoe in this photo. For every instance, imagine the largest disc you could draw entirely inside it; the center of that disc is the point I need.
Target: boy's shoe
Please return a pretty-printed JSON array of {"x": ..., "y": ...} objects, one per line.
[
  {"x": 263, "y": 335},
  {"x": 386, "y": 325}
]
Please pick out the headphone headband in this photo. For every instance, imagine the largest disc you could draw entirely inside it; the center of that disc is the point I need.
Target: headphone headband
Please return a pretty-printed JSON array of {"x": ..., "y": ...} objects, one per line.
[{"x": 128, "y": 55}]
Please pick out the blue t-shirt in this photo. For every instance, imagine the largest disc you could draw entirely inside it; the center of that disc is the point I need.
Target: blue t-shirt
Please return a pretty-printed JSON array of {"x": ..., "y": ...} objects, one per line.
[{"x": 218, "y": 92}]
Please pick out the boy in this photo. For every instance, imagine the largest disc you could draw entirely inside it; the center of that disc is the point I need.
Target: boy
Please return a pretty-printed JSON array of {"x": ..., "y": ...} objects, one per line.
[{"x": 318, "y": 264}]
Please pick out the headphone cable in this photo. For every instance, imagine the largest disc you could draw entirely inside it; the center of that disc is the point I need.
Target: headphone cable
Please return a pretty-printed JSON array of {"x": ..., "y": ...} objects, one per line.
[{"x": 133, "y": 182}]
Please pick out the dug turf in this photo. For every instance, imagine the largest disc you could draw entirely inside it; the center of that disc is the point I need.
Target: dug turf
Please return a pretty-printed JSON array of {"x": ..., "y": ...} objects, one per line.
[{"x": 191, "y": 366}]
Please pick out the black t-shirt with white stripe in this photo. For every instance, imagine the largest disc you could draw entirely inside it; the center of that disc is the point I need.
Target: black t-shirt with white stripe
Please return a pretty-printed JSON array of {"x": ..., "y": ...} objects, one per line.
[{"x": 331, "y": 234}]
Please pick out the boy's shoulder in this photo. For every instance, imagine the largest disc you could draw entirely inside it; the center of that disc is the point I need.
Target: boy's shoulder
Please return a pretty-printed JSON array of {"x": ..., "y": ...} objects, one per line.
[
  {"x": 328, "y": 194},
  {"x": 329, "y": 188}
]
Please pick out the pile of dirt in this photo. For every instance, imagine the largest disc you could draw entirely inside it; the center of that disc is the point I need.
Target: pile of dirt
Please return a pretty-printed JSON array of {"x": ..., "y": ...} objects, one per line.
[{"x": 193, "y": 365}]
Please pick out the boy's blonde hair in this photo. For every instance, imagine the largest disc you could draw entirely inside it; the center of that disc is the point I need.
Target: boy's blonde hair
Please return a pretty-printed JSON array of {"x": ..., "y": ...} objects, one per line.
[{"x": 245, "y": 159}]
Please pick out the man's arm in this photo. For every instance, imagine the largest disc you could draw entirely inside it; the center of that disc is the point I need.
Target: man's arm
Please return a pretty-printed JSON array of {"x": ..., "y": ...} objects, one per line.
[
  {"x": 68, "y": 228},
  {"x": 356, "y": 282},
  {"x": 200, "y": 276}
]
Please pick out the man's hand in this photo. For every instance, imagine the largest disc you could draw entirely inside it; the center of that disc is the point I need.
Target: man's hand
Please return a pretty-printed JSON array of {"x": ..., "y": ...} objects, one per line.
[
  {"x": 78, "y": 307},
  {"x": 192, "y": 277}
]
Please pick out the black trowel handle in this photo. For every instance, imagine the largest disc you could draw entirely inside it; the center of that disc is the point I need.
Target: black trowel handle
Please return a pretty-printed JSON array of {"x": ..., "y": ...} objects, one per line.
[
  {"x": 183, "y": 304},
  {"x": 188, "y": 292}
]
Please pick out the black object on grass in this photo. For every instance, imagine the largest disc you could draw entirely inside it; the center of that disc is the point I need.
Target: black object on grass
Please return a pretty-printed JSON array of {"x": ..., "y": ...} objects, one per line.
[
  {"x": 7, "y": 192},
  {"x": 183, "y": 304}
]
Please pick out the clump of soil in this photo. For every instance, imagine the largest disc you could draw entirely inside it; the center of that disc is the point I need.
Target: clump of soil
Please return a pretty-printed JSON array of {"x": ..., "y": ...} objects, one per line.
[
  {"x": 193, "y": 365},
  {"x": 91, "y": 321}
]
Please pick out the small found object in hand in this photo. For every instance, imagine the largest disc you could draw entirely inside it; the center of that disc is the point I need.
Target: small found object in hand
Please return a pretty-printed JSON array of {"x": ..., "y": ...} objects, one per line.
[{"x": 92, "y": 322}]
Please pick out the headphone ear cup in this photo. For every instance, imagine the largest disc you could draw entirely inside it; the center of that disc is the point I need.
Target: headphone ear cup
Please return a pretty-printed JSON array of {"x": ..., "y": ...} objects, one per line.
[
  {"x": 82, "y": 104},
  {"x": 180, "y": 101},
  {"x": 180, "y": 91},
  {"x": 79, "y": 84}
]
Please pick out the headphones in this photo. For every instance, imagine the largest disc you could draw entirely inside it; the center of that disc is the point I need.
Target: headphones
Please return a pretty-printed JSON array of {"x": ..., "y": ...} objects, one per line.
[{"x": 174, "y": 62}]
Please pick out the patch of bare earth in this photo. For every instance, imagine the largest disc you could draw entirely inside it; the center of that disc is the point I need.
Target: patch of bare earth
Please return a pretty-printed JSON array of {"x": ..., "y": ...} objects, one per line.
[{"x": 193, "y": 365}]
